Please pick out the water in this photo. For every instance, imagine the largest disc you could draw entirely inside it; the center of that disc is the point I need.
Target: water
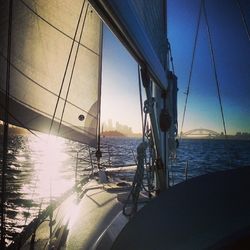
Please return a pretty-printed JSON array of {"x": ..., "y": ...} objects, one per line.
[
  {"x": 206, "y": 156},
  {"x": 41, "y": 169}
]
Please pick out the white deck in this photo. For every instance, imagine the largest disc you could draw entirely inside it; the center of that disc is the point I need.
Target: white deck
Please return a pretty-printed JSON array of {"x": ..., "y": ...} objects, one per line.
[{"x": 92, "y": 223}]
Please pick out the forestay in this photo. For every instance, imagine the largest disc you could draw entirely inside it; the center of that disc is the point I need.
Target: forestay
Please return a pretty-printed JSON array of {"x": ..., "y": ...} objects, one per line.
[
  {"x": 140, "y": 25},
  {"x": 42, "y": 37}
]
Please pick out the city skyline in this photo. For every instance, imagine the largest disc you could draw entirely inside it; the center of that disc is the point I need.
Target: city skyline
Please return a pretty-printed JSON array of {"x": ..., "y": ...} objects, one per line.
[{"x": 111, "y": 125}]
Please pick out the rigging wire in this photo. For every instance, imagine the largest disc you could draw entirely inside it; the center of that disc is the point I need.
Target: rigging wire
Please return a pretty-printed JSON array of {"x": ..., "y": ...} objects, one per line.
[
  {"x": 54, "y": 114},
  {"x": 140, "y": 92},
  {"x": 66, "y": 68},
  {"x": 171, "y": 57},
  {"x": 6, "y": 129},
  {"x": 98, "y": 152},
  {"x": 243, "y": 19},
  {"x": 191, "y": 67},
  {"x": 72, "y": 71},
  {"x": 214, "y": 67}
]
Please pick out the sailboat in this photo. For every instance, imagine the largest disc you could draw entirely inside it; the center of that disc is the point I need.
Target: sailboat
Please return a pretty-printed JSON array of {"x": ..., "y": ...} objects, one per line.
[{"x": 51, "y": 75}]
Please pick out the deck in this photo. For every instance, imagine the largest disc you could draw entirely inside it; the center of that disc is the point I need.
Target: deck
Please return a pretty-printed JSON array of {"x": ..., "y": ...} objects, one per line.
[{"x": 206, "y": 212}]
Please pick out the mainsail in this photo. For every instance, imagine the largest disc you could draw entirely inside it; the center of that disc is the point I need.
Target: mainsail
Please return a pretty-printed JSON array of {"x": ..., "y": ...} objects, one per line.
[
  {"x": 55, "y": 53},
  {"x": 141, "y": 26}
]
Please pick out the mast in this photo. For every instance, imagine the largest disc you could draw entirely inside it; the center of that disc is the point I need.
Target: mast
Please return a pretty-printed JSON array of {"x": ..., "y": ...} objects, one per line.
[
  {"x": 141, "y": 27},
  {"x": 98, "y": 151},
  {"x": 6, "y": 129}
]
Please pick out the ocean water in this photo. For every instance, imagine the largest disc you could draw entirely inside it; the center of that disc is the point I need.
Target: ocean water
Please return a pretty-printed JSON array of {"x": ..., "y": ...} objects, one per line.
[
  {"x": 197, "y": 157},
  {"x": 42, "y": 169}
]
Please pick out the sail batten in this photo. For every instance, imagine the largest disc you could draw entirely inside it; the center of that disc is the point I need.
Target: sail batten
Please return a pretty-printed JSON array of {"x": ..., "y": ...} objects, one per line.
[{"x": 43, "y": 33}]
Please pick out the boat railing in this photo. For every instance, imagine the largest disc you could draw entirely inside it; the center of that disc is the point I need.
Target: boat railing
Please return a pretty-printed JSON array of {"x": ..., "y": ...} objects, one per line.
[{"x": 87, "y": 164}]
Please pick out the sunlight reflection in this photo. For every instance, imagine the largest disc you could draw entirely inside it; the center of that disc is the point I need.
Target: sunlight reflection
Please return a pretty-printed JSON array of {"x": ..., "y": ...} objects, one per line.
[
  {"x": 50, "y": 159},
  {"x": 72, "y": 213}
]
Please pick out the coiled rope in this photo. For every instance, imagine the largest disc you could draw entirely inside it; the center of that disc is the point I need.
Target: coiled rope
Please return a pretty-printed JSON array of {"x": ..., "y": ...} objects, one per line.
[{"x": 137, "y": 182}]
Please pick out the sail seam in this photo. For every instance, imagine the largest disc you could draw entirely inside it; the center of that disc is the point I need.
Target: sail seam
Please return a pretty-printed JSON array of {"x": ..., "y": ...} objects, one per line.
[
  {"x": 60, "y": 31},
  {"x": 42, "y": 87},
  {"x": 46, "y": 114}
]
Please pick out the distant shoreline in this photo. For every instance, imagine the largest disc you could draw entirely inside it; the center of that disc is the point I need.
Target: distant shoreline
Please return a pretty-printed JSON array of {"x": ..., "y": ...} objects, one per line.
[
  {"x": 114, "y": 133},
  {"x": 229, "y": 137},
  {"x": 13, "y": 130}
]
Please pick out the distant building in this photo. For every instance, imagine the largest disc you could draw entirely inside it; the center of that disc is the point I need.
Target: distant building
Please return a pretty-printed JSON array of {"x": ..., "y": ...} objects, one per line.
[
  {"x": 110, "y": 125},
  {"x": 123, "y": 129}
]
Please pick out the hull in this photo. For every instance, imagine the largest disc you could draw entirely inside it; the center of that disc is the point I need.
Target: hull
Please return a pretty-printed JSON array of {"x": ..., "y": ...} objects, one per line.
[{"x": 206, "y": 212}]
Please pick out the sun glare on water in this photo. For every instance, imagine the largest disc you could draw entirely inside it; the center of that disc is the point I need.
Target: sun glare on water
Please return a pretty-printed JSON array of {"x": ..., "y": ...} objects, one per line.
[{"x": 49, "y": 157}]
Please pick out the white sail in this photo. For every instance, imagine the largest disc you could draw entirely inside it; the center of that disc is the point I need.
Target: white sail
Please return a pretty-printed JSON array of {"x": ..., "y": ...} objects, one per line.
[
  {"x": 140, "y": 25},
  {"x": 42, "y": 36}
]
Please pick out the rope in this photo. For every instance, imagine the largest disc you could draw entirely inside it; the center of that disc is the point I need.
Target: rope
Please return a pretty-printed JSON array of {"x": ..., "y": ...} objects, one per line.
[
  {"x": 191, "y": 67},
  {"x": 53, "y": 26},
  {"x": 171, "y": 57},
  {"x": 72, "y": 71},
  {"x": 214, "y": 67},
  {"x": 137, "y": 182},
  {"x": 140, "y": 92},
  {"x": 6, "y": 130},
  {"x": 66, "y": 69},
  {"x": 243, "y": 19}
]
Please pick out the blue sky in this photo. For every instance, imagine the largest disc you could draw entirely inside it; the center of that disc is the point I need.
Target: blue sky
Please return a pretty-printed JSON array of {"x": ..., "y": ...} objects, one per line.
[{"x": 232, "y": 55}]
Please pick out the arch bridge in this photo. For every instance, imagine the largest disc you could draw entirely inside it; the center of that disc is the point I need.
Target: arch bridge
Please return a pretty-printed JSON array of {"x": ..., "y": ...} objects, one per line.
[{"x": 201, "y": 132}]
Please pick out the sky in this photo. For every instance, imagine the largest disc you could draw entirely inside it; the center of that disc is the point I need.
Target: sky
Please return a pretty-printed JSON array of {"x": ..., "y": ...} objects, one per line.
[
  {"x": 120, "y": 89},
  {"x": 120, "y": 98}
]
